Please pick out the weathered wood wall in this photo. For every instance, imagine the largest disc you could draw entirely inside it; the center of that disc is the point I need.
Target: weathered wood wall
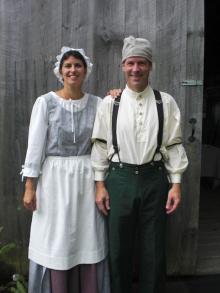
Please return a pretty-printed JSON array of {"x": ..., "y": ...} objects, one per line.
[
  {"x": 32, "y": 33},
  {"x": 12, "y": 217}
]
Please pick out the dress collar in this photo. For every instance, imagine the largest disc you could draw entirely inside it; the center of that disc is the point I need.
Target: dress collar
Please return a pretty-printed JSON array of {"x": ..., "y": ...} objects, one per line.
[{"x": 80, "y": 101}]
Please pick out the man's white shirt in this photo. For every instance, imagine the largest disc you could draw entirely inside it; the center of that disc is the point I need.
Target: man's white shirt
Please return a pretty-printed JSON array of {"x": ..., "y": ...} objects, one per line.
[{"x": 137, "y": 129}]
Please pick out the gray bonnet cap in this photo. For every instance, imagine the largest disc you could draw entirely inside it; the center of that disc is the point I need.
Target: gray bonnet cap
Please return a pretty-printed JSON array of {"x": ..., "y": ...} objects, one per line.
[{"x": 136, "y": 47}]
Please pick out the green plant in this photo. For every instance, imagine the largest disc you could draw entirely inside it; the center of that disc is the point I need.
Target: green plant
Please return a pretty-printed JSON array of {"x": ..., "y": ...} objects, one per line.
[
  {"x": 6, "y": 248},
  {"x": 18, "y": 283}
]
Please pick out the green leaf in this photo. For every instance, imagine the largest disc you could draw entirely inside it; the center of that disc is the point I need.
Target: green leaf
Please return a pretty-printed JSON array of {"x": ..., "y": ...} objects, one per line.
[
  {"x": 7, "y": 248},
  {"x": 20, "y": 287}
]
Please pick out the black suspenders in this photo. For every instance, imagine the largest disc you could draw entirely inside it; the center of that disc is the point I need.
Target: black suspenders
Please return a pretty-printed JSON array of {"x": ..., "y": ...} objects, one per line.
[
  {"x": 159, "y": 104},
  {"x": 114, "y": 125}
]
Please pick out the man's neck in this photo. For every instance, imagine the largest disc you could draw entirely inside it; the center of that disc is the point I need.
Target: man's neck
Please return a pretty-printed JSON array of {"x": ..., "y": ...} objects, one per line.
[{"x": 137, "y": 89}]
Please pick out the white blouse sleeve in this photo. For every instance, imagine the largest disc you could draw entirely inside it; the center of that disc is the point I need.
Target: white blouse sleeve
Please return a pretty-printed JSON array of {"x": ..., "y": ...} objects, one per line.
[
  {"x": 36, "y": 139},
  {"x": 177, "y": 161}
]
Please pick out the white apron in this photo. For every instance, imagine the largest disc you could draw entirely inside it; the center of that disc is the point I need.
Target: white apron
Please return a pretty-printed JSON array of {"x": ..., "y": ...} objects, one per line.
[{"x": 67, "y": 229}]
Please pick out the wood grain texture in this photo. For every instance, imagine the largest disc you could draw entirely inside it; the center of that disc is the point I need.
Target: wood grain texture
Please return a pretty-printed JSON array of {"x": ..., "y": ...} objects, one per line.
[
  {"x": 32, "y": 33},
  {"x": 193, "y": 109}
]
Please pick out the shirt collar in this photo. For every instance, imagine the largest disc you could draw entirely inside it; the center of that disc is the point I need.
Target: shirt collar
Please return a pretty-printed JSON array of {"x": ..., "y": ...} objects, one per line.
[{"x": 138, "y": 95}]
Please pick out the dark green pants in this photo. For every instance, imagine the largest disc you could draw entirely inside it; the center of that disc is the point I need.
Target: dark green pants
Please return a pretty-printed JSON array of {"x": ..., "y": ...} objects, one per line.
[{"x": 137, "y": 199}]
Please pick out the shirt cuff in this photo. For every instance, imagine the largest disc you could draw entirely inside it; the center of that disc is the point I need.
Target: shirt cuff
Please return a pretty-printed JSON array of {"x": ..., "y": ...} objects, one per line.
[
  {"x": 99, "y": 175},
  {"x": 175, "y": 178},
  {"x": 28, "y": 172}
]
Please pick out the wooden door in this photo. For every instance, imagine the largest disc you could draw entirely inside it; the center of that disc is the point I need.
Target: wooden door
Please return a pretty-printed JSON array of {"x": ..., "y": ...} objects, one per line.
[{"x": 179, "y": 70}]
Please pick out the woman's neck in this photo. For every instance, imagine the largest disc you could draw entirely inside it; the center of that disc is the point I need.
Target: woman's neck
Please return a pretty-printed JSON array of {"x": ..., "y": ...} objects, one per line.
[{"x": 70, "y": 93}]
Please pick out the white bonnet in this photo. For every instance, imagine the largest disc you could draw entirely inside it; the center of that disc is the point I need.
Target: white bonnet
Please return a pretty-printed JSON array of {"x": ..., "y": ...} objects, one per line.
[
  {"x": 59, "y": 57},
  {"x": 136, "y": 47}
]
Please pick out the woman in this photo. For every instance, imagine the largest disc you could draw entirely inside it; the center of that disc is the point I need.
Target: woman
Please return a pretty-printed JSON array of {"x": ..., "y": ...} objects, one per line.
[{"x": 67, "y": 246}]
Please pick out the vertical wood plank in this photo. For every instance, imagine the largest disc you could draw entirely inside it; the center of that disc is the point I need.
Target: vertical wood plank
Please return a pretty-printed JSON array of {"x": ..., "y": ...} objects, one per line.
[
  {"x": 193, "y": 109},
  {"x": 170, "y": 70}
]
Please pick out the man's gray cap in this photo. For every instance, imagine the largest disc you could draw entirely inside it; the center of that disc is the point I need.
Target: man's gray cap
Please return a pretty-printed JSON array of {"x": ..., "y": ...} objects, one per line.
[{"x": 136, "y": 47}]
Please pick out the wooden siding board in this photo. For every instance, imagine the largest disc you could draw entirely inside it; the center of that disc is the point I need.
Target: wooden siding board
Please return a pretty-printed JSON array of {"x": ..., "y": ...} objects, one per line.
[
  {"x": 147, "y": 23},
  {"x": 10, "y": 187},
  {"x": 132, "y": 17},
  {"x": 170, "y": 69},
  {"x": 3, "y": 24},
  {"x": 10, "y": 43},
  {"x": 78, "y": 22},
  {"x": 193, "y": 109},
  {"x": 45, "y": 28},
  {"x": 109, "y": 33}
]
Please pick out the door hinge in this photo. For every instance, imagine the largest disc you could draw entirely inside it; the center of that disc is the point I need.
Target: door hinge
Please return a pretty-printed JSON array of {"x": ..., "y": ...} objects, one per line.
[{"x": 191, "y": 82}]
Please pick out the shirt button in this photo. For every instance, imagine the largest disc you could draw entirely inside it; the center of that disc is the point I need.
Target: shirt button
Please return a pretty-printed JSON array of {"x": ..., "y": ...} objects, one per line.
[
  {"x": 140, "y": 123},
  {"x": 140, "y": 113},
  {"x": 140, "y": 104}
]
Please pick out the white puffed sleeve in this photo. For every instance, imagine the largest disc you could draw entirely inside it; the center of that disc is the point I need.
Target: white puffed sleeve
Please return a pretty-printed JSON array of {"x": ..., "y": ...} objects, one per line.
[
  {"x": 177, "y": 161},
  {"x": 36, "y": 139},
  {"x": 99, "y": 155}
]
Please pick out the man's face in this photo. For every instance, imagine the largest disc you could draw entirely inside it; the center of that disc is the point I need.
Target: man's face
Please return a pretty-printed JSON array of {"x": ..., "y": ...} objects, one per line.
[{"x": 137, "y": 70}]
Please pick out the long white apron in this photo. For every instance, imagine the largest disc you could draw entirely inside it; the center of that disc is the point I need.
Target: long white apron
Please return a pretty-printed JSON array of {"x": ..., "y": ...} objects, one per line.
[{"x": 67, "y": 229}]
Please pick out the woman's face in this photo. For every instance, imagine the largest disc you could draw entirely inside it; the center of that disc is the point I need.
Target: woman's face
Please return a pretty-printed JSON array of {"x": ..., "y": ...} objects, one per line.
[{"x": 73, "y": 72}]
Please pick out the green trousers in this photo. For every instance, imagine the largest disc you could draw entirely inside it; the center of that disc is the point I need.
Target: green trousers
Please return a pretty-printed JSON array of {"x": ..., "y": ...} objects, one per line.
[{"x": 138, "y": 197}]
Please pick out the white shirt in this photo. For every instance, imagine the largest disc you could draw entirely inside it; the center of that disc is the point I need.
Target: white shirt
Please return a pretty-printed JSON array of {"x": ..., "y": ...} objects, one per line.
[{"x": 137, "y": 129}]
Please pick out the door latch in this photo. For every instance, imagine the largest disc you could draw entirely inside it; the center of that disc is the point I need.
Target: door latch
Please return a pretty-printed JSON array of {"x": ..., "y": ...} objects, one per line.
[
  {"x": 192, "y": 82},
  {"x": 192, "y": 121}
]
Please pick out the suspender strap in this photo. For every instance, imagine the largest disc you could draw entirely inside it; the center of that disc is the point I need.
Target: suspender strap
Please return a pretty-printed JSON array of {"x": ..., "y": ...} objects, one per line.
[
  {"x": 159, "y": 104},
  {"x": 114, "y": 123}
]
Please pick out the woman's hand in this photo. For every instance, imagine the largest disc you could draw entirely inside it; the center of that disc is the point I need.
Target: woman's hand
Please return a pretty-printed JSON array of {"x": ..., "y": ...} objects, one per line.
[
  {"x": 102, "y": 198},
  {"x": 29, "y": 198},
  {"x": 114, "y": 93}
]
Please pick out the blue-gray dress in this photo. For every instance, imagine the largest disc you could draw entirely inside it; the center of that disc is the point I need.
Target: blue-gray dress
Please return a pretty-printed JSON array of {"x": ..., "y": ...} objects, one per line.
[{"x": 67, "y": 229}]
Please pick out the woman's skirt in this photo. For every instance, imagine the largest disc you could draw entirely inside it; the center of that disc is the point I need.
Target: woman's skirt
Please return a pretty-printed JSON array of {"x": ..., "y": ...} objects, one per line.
[{"x": 92, "y": 279}]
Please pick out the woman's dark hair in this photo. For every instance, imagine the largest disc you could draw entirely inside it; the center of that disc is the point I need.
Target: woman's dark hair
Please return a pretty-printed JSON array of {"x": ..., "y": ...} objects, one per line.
[{"x": 75, "y": 54}]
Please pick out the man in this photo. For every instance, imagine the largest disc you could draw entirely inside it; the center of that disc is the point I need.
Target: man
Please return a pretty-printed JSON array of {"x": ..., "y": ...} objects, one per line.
[{"x": 138, "y": 148}]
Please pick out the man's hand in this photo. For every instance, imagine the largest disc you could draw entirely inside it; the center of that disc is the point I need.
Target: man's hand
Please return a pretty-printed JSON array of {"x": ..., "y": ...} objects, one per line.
[
  {"x": 102, "y": 198},
  {"x": 174, "y": 198}
]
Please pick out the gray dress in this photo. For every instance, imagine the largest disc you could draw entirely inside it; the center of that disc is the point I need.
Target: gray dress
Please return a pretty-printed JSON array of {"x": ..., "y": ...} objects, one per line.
[{"x": 67, "y": 229}]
